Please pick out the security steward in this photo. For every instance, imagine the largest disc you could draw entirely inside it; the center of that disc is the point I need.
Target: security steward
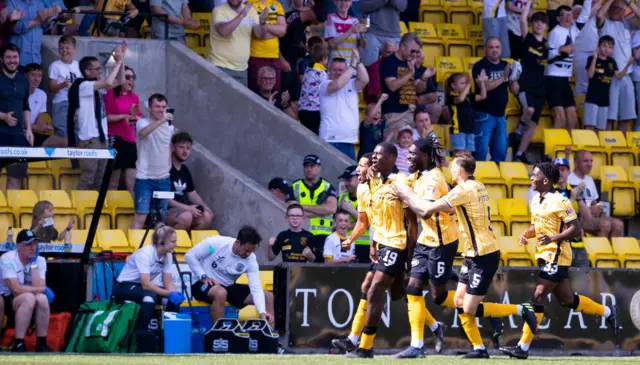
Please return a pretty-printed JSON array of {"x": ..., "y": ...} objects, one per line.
[
  {"x": 348, "y": 201},
  {"x": 318, "y": 198}
]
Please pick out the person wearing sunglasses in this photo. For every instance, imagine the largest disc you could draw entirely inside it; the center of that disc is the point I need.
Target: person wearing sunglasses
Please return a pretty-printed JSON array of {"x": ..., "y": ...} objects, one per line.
[{"x": 123, "y": 110}]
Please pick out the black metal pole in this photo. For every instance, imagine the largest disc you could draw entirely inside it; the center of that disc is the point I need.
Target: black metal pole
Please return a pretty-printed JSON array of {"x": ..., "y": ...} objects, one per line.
[
  {"x": 97, "y": 211},
  {"x": 166, "y": 27}
]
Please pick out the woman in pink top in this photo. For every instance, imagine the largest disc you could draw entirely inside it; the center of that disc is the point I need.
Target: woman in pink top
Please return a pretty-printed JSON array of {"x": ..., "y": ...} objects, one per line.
[{"x": 123, "y": 110}]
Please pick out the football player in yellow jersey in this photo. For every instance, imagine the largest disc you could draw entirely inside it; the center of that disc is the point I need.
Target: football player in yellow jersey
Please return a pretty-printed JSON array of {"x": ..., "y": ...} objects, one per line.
[
  {"x": 479, "y": 248},
  {"x": 553, "y": 224}
]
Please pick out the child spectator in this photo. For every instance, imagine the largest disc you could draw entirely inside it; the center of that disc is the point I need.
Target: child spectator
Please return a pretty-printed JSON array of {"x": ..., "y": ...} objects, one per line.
[
  {"x": 62, "y": 74},
  {"x": 294, "y": 242},
  {"x": 423, "y": 129},
  {"x": 601, "y": 68},
  {"x": 372, "y": 127},
  {"x": 460, "y": 100},
  {"x": 37, "y": 104},
  {"x": 309, "y": 103},
  {"x": 42, "y": 223},
  {"x": 304, "y": 62},
  {"x": 333, "y": 251},
  {"x": 403, "y": 142}
]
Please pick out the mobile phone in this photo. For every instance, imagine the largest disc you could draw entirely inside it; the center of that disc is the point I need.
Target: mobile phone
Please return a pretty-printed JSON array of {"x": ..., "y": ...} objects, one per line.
[
  {"x": 170, "y": 111},
  {"x": 48, "y": 222}
]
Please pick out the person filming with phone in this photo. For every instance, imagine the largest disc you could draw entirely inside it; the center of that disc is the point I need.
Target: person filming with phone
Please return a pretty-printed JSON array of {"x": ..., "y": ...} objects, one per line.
[{"x": 153, "y": 136}]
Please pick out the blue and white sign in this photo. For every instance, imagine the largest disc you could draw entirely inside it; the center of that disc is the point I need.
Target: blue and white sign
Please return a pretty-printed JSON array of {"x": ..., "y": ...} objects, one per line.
[
  {"x": 50, "y": 152},
  {"x": 48, "y": 247}
]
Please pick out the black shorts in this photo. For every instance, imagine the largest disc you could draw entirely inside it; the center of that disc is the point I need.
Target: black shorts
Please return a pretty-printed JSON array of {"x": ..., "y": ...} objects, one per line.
[
  {"x": 126, "y": 153},
  {"x": 536, "y": 101},
  {"x": 433, "y": 263},
  {"x": 372, "y": 267},
  {"x": 552, "y": 272},
  {"x": 391, "y": 261},
  {"x": 477, "y": 272},
  {"x": 236, "y": 293},
  {"x": 559, "y": 92}
]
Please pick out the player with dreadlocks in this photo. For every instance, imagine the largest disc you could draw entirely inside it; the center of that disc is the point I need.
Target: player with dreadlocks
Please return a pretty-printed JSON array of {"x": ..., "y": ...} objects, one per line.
[{"x": 554, "y": 223}]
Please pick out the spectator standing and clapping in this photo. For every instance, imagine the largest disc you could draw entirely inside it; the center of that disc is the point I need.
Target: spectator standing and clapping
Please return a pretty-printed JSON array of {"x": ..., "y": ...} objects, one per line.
[
  {"x": 489, "y": 114},
  {"x": 461, "y": 101},
  {"x": 293, "y": 44},
  {"x": 122, "y": 106},
  {"x": 384, "y": 21},
  {"x": 266, "y": 51},
  {"x": 62, "y": 74},
  {"x": 294, "y": 243},
  {"x": 187, "y": 210},
  {"x": 343, "y": 32},
  {"x": 37, "y": 105},
  {"x": 153, "y": 139},
  {"x": 42, "y": 223},
  {"x": 266, "y": 89},
  {"x": 339, "y": 103},
  {"x": 309, "y": 103},
  {"x": 333, "y": 252},
  {"x": 27, "y": 31},
  {"x": 494, "y": 24},
  {"x": 179, "y": 18},
  {"x": 7, "y": 21},
  {"x": 611, "y": 22},
  {"x": 15, "y": 116},
  {"x": 87, "y": 119},
  {"x": 514, "y": 9},
  {"x": 586, "y": 42}
]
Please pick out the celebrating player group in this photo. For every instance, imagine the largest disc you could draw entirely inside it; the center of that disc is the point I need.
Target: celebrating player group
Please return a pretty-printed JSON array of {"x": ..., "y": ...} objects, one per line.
[{"x": 390, "y": 204}]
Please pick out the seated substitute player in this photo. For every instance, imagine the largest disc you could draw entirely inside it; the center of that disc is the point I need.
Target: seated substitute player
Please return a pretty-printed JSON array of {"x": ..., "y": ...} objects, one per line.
[
  {"x": 480, "y": 249},
  {"x": 294, "y": 242},
  {"x": 24, "y": 291},
  {"x": 218, "y": 262},
  {"x": 550, "y": 213},
  {"x": 135, "y": 282}
]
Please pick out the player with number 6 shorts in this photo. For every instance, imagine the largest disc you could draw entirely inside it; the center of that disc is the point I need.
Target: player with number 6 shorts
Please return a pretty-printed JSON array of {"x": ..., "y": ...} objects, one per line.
[
  {"x": 554, "y": 223},
  {"x": 480, "y": 250}
]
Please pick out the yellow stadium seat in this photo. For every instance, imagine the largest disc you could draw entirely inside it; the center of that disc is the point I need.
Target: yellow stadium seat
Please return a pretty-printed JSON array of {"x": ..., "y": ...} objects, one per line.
[
  {"x": 121, "y": 205},
  {"x": 540, "y": 5},
  {"x": 135, "y": 237},
  {"x": 584, "y": 139},
  {"x": 468, "y": 63},
  {"x": 474, "y": 31},
  {"x": 600, "y": 252},
  {"x": 459, "y": 12},
  {"x": 454, "y": 40},
  {"x": 67, "y": 177},
  {"x": 432, "y": 11},
  {"x": 628, "y": 251},
  {"x": 447, "y": 66},
  {"x": 7, "y": 218},
  {"x": 63, "y": 210},
  {"x": 498, "y": 224},
  {"x": 184, "y": 241},
  {"x": 442, "y": 132},
  {"x": 487, "y": 172},
  {"x": 114, "y": 240},
  {"x": 199, "y": 236},
  {"x": 633, "y": 141},
  {"x": 79, "y": 237},
  {"x": 192, "y": 39},
  {"x": 556, "y": 140},
  {"x": 544, "y": 123},
  {"x": 634, "y": 177},
  {"x": 205, "y": 20},
  {"x": 513, "y": 106},
  {"x": 266, "y": 279},
  {"x": 619, "y": 153},
  {"x": 517, "y": 178},
  {"x": 519, "y": 227},
  {"x": 621, "y": 192},
  {"x": 85, "y": 202},
  {"x": 40, "y": 177},
  {"x": 247, "y": 313},
  {"x": 403, "y": 28},
  {"x": 22, "y": 203},
  {"x": 476, "y": 6},
  {"x": 514, "y": 211},
  {"x": 432, "y": 46},
  {"x": 512, "y": 253}
]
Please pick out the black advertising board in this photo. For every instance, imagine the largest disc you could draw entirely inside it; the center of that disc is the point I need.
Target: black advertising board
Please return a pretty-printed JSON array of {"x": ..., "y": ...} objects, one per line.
[{"x": 323, "y": 300}]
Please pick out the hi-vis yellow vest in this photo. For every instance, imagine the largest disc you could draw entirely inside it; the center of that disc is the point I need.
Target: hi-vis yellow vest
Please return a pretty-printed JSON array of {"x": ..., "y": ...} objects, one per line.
[
  {"x": 364, "y": 239},
  {"x": 319, "y": 225}
]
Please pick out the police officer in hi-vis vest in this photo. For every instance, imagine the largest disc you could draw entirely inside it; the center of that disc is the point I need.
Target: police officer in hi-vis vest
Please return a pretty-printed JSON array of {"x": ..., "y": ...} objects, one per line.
[
  {"x": 348, "y": 201},
  {"x": 318, "y": 198}
]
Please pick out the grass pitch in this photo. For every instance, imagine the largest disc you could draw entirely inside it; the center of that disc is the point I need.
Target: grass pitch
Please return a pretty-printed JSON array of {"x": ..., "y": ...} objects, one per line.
[{"x": 286, "y": 360}]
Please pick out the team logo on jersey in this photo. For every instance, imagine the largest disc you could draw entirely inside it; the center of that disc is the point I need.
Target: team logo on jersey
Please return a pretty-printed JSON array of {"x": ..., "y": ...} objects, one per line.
[
  {"x": 569, "y": 211},
  {"x": 239, "y": 267},
  {"x": 303, "y": 241},
  {"x": 219, "y": 258}
]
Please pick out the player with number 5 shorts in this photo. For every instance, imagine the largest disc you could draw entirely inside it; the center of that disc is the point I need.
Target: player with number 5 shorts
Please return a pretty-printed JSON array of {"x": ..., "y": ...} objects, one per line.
[
  {"x": 480, "y": 250},
  {"x": 553, "y": 224}
]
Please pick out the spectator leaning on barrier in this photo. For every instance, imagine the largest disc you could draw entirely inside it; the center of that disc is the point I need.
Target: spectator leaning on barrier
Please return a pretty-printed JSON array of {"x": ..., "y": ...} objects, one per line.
[
  {"x": 611, "y": 22},
  {"x": 153, "y": 167},
  {"x": 309, "y": 102},
  {"x": 266, "y": 89},
  {"x": 179, "y": 17},
  {"x": 494, "y": 24},
  {"x": 266, "y": 51},
  {"x": 489, "y": 114},
  {"x": 281, "y": 189},
  {"x": 24, "y": 291},
  {"x": 42, "y": 223},
  {"x": 37, "y": 105},
  {"x": 339, "y": 103},
  {"x": 384, "y": 19},
  {"x": 187, "y": 210},
  {"x": 295, "y": 243},
  {"x": 15, "y": 116},
  {"x": 87, "y": 119},
  {"x": 27, "y": 32}
]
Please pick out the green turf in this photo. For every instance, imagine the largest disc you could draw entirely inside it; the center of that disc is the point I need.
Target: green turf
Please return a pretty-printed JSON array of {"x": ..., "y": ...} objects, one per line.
[{"x": 285, "y": 360}]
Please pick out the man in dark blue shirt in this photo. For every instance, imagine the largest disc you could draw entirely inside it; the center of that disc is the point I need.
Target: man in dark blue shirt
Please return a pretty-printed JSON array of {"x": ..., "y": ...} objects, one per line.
[
  {"x": 491, "y": 124},
  {"x": 15, "y": 129}
]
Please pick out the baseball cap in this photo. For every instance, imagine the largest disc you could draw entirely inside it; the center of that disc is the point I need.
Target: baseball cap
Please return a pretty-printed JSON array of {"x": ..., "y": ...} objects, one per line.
[
  {"x": 279, "y": 183},
  {"x": 348, "y": 172},
  {"x": 561, "y": 162},
  {"x": 311, "y": 159},
  {"x": 406, "y": 127},
  {"x": 27, "y": 237}
]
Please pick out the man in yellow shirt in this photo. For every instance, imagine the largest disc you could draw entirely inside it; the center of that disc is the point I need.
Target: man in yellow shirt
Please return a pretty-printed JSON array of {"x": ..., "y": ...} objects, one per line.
[
  {"x": 265, "y": 51},
  {"x": 554, "y": 223},
  {"x": 479, "y": 248}
]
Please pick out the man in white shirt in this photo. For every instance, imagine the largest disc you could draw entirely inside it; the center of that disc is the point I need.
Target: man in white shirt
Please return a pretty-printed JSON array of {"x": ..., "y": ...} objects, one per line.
[
  {"x": 494, "y": 24},
  {"x": 24, "y": 291},
  {"x": 87, "y": 119},
  {"x": 153, "y": 143},
  {"x": 586, "y": 42},
  {"x": 622, "y": 98},
  {"x": 592, "y": 220},
  {"x": 339, "y": 116},
  {"x": 514, "y": 9},
  {"x": 37, "y": 104},
  {"x": 333, "y": 252},
  {"x": 218, "y": 262}
]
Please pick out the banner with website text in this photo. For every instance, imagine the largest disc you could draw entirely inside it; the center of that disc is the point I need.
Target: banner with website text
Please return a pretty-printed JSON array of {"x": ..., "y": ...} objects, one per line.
[{"x": 322, "y": 302}]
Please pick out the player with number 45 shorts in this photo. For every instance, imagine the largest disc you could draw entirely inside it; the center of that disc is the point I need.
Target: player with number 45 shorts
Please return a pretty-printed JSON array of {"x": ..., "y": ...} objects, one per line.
[
  {"x": 480, "y": 250},
  {"x": 554, "y": 223}
]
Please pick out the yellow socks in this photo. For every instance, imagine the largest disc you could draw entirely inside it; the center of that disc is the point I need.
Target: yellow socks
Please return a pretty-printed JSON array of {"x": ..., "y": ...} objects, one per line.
[
  {"x": 527, "y": 333},
  {"x": 366, "y": 341},
  {"x": 496, "y": 310},
  {"x": 449, "y": 301},
  {"x": 359, "y": 318},
  {"x": 588, "y": 306},
  {"x": 417, "y": 315},
  {"x": 471, "y": 329}
]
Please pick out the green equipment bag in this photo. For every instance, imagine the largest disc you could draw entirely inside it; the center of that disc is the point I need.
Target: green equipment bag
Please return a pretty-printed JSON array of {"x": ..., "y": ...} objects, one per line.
[{"x": 104, "y": 327}]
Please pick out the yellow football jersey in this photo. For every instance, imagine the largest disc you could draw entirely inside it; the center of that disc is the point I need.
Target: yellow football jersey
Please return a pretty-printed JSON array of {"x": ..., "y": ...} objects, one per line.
[
  {"x": 386, "y": 211},
  {"x": 441, "y": 228},
  {"x": 550, "y": 216}
]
